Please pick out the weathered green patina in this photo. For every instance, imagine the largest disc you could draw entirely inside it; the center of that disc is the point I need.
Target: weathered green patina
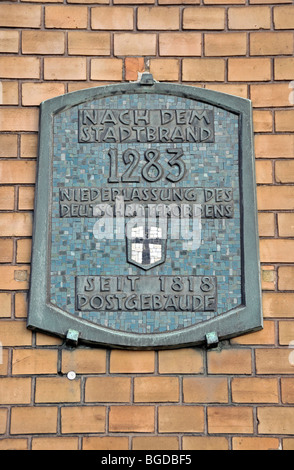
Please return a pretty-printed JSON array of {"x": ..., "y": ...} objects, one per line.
[{"x": 145, "y": 141}]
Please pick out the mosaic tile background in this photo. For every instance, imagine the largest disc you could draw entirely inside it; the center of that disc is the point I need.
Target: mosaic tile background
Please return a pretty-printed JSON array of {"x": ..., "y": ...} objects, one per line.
[{"x": 75, "y": 250}]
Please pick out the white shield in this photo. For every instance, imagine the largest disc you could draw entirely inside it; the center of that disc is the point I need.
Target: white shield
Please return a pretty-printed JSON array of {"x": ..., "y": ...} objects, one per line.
[{"x": 146, "y": 247}]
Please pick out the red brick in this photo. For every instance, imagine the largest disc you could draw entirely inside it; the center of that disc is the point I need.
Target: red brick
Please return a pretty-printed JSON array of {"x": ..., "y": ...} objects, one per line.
[
  {"x": 249, "y": 18},
  {"x": 155, "y": 443},
  {"x": 106, "y": 69},
  {"x": 205, "y": 443},
  {"x": 277, "y": 251},
  {"x": 180, "y": 418},
  {"x": 180, "y": 44},
  {"x": 26, "y": 197},
  {"x": 83, "y": 419},
  {"x": 5, "y": 362},
  {"x": 14, "y": 277},
  {"x": 255, "y": 390},
  {"x": 265, "y": 336},
  {"x": 34, "y": 361},
  {"x": 67, "y": 17},
  {"x": 84, "y": 361},
  {"x": 224, "y": 2},
  {"x": 249, "y": 69},
  {"x": 275, "y": 197},
  {"x": 15, "y": 333},
  {"x": 284, "y": 171},
  {"x": 225, "y": 44},
  {"x": 57, "y": 390},
  {"x": 165, "y": 69},
  {"x": 264, "y": 171},
  {"x": 90, "y": 1},
  {"x": 270, "y": 1},
  {"x": 205, "y": 390},
  {"x": 20, "y": 16},
  {"x": 108, "y": 389},
  {"x": 207, "y": 70},
  {"x": 132, "y": 419},
  {"x": 20, "y": 304},
  {"x": 134, "y": 66},
  {"x": 156, "y": 389},
  {"x": 230, "y": 420},
  {"x": 15, "y": 390},
  {"x": 5, "y": 305},
  {"x": 158, "y": 18},
  {"x": 204, "y": 18},
  {"x": 286, "y": 278},
  {"x": 105, "y": 443},
  {"x": 274, "y": 361},
  {"x": 15, "y": 171},
  {"x": 13, "y": 444},
  {"x": 123, "y": 362},
  {"x": 266, "y": 224},
  {"x": 177, "y": 2},
  {"x": 287, "y": 388},
  {"x": 286, "y": 224},
  {"x": 88, "y": 43},
  {"x": 43, "y": 42},
  {"x": 278, "y": 304},
  {"x": 29, "y": 145},
  {"x": 16, "y": 224},
  {"x": 9, "y": 93},
  {"x": 284, "y": 68},
  {"x": 23, "y": 250},
  {"x": 284, "y": 120},
  {"x": 275, "y": 420},
  {"x": 45, "y": 1},
  {"x": 271, "y": 43},
  {"x": 19, "y": 67},
  {"x": 9, "y": 41},
  {"x": 19, "y": 119},
  {"x": 3, "y": 420},
  {"x": 270, "y": 95},
  {"x": 286, "y": 334},
  {"x": 129, "y": 44},
  {"x": 55, "y": 443},
  {"x": 112, "y": 18},
  {"x": 229, "y": 361},
  {"x": 182, "y": 361},
  {"x": 131, "y": 2},
  {"x": 6, "y": 250},
  {"x": 255, "y": 443},
  {"x": 34, "y": 93},
  {"x": 34, "y": 420},
  {"x": 46, "y": 340},
  {"x": 76, "y": 86},
  {"x": 262, "y": 121},
  {"x": 8, "y": 146},
  {"x": 283, "y": 17},
  {"x": 65, "y": 68},
  {"x": 288, "y": 444}
]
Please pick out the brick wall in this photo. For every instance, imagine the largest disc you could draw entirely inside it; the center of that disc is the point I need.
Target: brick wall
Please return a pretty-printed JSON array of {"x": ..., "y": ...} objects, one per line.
[{"x": 238, "y": 396}]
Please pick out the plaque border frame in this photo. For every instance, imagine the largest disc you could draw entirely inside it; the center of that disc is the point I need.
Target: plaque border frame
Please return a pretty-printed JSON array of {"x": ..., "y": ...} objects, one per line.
[{"x": 49, "y": 319}]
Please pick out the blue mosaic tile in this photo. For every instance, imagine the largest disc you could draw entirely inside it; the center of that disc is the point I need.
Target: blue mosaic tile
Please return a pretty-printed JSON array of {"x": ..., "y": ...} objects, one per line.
[{"x": 75, "y": 250}]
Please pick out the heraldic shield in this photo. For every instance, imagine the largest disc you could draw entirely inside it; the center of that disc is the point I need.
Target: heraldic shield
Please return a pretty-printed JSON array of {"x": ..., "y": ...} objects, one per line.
[{"x": 146, "y": 243}]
